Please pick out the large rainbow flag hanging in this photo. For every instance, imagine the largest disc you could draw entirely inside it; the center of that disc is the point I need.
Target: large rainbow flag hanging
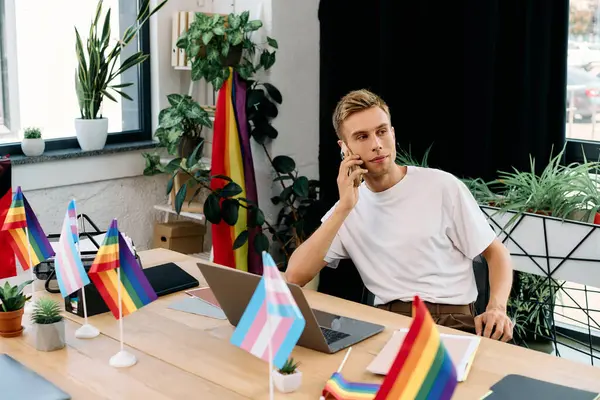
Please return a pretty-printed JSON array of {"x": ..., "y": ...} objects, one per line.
[
  {"x": 8, "y": 266},
  {"x": 33, "y": 246},
  {"x": 232, "y": 157},
  {"x": 136, "y": 291},
  {"x": 423, "y": 368}
]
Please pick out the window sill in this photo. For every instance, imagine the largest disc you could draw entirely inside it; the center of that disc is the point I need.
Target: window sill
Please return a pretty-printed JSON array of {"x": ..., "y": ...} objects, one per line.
[{"x": 72, "y": 166}]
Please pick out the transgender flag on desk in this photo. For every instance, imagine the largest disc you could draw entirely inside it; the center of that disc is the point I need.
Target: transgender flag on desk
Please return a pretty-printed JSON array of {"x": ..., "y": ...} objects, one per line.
[{"x": 271, "y": 317}]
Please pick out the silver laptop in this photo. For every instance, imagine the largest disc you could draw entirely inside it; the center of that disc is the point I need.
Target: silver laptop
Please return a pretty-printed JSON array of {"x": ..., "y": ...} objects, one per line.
[{"x": 324, "y": 332}]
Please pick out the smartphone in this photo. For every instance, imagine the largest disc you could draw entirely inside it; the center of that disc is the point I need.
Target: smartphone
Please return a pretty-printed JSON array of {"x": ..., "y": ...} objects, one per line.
[{"x": 346, "y": 152}]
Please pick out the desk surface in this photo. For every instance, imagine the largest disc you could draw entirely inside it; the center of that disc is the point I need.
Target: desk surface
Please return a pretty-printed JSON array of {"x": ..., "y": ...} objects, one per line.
[{"x": 181, "y": 355}]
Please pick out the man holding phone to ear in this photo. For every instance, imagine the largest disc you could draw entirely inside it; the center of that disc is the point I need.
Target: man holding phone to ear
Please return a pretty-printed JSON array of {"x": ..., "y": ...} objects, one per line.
[{"x": 409, "y": 230}]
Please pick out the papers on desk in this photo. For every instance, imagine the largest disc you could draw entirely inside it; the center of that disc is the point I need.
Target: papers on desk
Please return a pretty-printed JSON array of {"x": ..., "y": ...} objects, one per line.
[
  {"x": 518, "y": 387},
  {"x": 462, "y": 349}
]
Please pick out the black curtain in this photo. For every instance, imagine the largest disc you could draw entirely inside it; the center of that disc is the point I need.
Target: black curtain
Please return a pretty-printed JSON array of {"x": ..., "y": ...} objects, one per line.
[{"x": 481, "y": 82}]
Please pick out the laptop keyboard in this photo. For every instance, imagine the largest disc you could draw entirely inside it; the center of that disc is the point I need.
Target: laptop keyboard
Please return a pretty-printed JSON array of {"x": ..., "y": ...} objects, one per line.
[{"x": 332, "y": 336}]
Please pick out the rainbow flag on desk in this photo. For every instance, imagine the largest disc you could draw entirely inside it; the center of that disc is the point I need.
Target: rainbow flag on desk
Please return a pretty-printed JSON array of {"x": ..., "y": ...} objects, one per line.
[
  {"x": 422, "y": 369},
  {"x": 33, "y": 247},
  {"x": 272, "y": 317},
  {"x": 135, "y": 289}
]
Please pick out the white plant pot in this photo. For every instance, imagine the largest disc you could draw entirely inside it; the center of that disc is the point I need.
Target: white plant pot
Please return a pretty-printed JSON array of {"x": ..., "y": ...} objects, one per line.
[
  {"x": 49, "y": 337},
  {"x": 33, "y": 147},
  {"x": 287, "y": 383},
  {"x": 91, "y": 133}
]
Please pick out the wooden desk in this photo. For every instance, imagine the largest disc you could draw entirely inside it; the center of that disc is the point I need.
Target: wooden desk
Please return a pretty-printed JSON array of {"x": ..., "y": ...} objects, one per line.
[{"x": 182, "y": 355}]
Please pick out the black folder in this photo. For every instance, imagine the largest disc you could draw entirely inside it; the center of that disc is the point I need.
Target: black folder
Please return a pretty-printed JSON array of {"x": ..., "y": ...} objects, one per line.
[
  {"x": 518, "y": 387},
  {"x": 19, "y": 382}
]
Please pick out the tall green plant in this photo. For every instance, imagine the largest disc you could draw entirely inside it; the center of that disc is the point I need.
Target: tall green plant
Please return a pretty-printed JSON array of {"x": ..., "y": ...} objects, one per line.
[{"x": 99, "y": 62}]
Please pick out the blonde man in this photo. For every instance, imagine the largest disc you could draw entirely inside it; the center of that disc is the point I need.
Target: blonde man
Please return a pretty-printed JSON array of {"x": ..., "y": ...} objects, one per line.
[{"x": 409, "y": 230}]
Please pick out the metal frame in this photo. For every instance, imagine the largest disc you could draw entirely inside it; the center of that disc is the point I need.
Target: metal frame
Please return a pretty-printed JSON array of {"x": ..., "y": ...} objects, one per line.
[{"x": 587, "y": 340}]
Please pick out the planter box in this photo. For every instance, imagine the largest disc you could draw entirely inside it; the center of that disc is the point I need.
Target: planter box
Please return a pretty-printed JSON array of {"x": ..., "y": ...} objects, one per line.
[
  {"x": 547, "y": 246},
  {"x": 49, "y": 337},
  {"x": 287, "y": 383}
]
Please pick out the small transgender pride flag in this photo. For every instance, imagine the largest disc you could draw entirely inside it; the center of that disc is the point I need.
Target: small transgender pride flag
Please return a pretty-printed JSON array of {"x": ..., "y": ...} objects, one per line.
[
  {"x": 70, "y": 274},
  {"x": 272, "y": 316}
]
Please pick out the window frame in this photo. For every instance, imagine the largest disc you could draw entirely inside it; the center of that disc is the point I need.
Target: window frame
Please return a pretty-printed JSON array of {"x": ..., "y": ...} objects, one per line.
[{"x": 144, "y": 133}]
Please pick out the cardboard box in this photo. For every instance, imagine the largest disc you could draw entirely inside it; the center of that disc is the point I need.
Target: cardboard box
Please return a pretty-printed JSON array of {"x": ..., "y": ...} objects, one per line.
[{"x": 185, "y": 237}]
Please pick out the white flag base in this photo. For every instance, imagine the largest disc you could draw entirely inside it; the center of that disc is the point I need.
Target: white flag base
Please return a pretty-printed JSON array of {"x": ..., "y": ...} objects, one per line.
[
  {"x": 122, "y": 359},
  {"x": 87, "y": 331}
]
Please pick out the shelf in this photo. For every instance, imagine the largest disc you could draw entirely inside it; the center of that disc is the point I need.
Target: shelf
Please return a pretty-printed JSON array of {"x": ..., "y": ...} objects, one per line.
[{"x": 168, "y": 209}]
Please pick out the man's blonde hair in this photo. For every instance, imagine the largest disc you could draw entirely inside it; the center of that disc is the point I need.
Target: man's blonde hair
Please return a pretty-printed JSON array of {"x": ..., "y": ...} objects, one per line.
[{"x": 353, "y": 102}]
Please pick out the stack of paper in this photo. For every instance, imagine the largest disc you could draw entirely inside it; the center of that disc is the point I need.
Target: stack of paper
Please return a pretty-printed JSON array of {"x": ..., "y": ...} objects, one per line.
[{"x": 462, "y": 349}]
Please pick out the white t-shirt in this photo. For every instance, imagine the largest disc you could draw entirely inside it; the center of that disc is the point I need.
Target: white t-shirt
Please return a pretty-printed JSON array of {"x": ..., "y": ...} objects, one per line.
[{"x": 418, "y": 237}]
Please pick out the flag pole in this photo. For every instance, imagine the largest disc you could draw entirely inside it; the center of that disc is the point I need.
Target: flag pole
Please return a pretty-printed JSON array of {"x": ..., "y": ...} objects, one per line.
[
  {"x": 29, "y": 306},
  {"x": 339, "y": 370},
  {"x": 123, "y": 358},
  {"x": 270, "y": 350},
  {"x": 86, "y": 331}
]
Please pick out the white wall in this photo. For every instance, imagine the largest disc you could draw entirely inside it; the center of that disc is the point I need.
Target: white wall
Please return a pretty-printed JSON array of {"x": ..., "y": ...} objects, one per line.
[{"x": 112, "y": 186}]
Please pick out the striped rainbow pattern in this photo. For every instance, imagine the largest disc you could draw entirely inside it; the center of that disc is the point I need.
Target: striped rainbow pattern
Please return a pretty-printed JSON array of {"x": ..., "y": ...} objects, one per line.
[
  {"x": 341, "y": 389},
  {"x": 34, "y": 244},
  {"x": 136, "y": 291},
  {"x": 272, "y": 316},
  {"x": 16, "y": 218},
  {"x": 70, "y": 274},
  {"x": 423, "y": 368},
  {"x": 232, "y": 157}
]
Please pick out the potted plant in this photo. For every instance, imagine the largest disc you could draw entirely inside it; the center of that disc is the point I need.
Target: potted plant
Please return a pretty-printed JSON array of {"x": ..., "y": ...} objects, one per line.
[
  {"x": 48, "y": 325},
  {"x": 288, "y": 378},
  {"x": 11, "y": 315},
  {"x": 32, "y": 145},
  {"x": 216, "y": 42},
  {"x": 99, "y": 66}
]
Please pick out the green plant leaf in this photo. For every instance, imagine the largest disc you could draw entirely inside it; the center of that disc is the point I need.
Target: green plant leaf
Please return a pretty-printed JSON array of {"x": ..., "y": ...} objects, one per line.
[
  {"x": 180, "y": 197},
  {"x": 275, "y": 200},
  {"x": 170, "y": 184},
  {"x": 212, "y": 211},
  {"x": 224, "y": 177},
  {"x": 258, "y": 216},
  {"x": 193, "y": 159},
  {"x": 301, "y": 186},
  {"x": 273, "y": 92},
  {"x": 174, "y": 99},
  {"x": 240, "y": 240},
  {"x": 230, "y": 211},
  {"x": 231, "y": 189},
  {"x": 272, "y": 42},
  {"x": 218, "y": 30},
  {"x": 207, "y": 37},
  {"x": 261, "y": 243},
  {"x": 284, "y": 164}
]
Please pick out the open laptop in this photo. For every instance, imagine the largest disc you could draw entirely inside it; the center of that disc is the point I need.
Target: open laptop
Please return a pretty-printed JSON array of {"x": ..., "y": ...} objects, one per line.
[{"x": 324, "y": 332}]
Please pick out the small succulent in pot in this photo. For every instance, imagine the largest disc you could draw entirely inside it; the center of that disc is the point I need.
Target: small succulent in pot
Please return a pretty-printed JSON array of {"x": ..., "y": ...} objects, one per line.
[
  {"x": 288, "y": 378},
  {"x": 48, "y": 325},
  {"x": 13, "y": 304},
  {"x": 33, "y": 145}
]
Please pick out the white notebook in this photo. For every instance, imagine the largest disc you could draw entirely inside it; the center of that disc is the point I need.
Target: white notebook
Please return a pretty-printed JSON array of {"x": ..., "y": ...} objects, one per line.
[{"x": 462, "y": 349}]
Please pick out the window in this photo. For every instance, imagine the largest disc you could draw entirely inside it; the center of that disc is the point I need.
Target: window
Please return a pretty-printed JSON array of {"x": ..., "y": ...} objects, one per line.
[{"x": 38, "y": 72}]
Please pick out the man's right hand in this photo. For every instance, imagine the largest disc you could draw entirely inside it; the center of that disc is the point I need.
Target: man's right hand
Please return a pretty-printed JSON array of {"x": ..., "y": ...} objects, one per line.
[{"x": 349, "y": 192}]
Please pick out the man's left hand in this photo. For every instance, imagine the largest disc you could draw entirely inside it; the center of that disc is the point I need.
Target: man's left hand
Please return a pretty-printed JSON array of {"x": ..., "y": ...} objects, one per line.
[{"x": 494, "y": 320}]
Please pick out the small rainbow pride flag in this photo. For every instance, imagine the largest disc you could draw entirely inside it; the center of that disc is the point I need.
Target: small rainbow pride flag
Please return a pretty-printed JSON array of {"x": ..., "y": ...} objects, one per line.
[
  {"x": 341, "y": 389},
  {"x": 34, "y": 245},
  {"x": 136, "y": 291},
  {"x": 423, "y": 368}
]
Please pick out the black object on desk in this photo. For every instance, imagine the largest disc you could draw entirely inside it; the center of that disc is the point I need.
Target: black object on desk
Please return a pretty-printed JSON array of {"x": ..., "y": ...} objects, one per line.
[
  {"x": 518, "y": 387},
  {"x": 164, "y": 278},
  {"x": 19, "y": 382}
]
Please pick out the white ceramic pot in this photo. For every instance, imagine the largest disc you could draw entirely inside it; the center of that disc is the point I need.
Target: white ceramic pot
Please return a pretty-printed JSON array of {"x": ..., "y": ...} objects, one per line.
[
  {"x": 49, "y": 337},
  {"x": 91, "y": 133},
  {"x": 33, "y": 147},
  {"x": 287, "y": 383}
]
